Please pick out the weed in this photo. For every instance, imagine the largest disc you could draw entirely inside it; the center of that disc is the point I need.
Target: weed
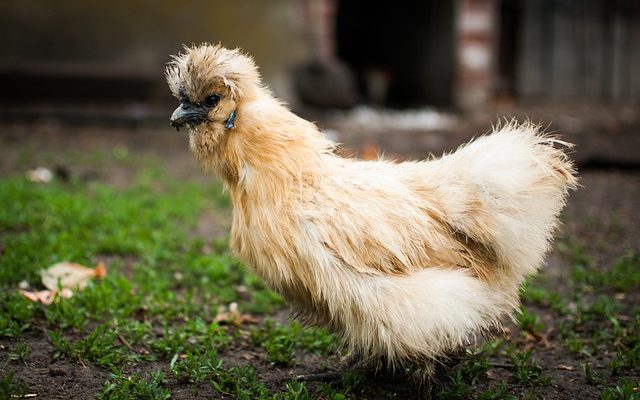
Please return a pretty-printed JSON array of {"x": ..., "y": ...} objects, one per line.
[
  {"x": 525, "y": 369},
  {"x": 604, "y": 306},
  {"x": 241, "y": 382},
  {"x": 189, "y": 337},
  {"x": 295, "y": 391},
  {"x": 21, "y": 353},
  {"x": 626, "y": 359},
  {"x": 591, "y": 376},
  {"x": 100, "y": 347},
  {"x": 282, "y": 341},
  {"x": 346, "y": 388},
  {"x": 16, "y": 314},
  {"x": 457, "y": 388},
  {"x": 501, "y": 392},
  {"x": 12, "y": 387},
  {"x": 577, "y": 345},
  {"x": 195, "y": 367},
  {"x": 119, "y": 386},
  {"x": 533, "y": 292},
  {"x": 623, "y": 275},
  {"x": 352, "y": 380},
  {"x": 492, "y": 347},
  {"x": 576, "y": 252},
  {"x": 529, "y": 321},
  {"x": 464, "y": 376},
  {"x": 623, "y": 390}
]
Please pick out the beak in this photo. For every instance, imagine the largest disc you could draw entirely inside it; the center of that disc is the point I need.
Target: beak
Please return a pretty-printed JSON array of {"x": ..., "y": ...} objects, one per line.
[{"x": 187, "y": 114}]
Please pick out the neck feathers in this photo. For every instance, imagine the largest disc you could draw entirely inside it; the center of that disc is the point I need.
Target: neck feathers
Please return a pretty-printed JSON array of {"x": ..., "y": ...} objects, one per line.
[{"x": 269, "y": 150}]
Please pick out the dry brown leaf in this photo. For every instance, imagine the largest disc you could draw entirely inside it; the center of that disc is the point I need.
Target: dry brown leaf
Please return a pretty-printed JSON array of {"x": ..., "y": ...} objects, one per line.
[
  {"x": 46, "y": 297},
  {"x": 70, "y": 275},
  {"x": 233, "y": 316}
]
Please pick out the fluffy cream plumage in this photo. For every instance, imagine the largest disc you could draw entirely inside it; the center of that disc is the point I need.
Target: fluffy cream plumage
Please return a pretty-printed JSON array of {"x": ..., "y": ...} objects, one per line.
[{"x": 406, "y": 261}]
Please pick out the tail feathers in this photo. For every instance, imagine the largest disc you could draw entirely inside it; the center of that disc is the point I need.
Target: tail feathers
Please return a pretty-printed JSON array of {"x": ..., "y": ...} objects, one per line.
[
  {"x": 521, "y": 179},
  {"x": 423, "y": 316}
]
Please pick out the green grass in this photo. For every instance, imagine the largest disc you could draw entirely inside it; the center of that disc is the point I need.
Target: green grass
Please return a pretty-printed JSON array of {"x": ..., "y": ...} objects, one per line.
[
  {"x": 529, "y": 322},
  {"x": 151, "y": 322},
  {"x": 281, "y": 342},
  {"x": 622, "y": 390},
  {"x": 161, "y": 295},
  {"x": 12, "y": 387},
  {"x": 16, "y": 314},
  {"x": 121, "y": 387},
  {"x": 464, "y": 377},
  {"x": 525, "y": 369},
  {"x": 20, "y": 353},
  {"x": 195, "y": 367}
]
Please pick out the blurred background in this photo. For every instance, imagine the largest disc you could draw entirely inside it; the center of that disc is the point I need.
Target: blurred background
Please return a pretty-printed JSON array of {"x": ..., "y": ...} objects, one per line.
[
  {"x": 346, "y": 64},
  {"x": 390, "y": 73}
]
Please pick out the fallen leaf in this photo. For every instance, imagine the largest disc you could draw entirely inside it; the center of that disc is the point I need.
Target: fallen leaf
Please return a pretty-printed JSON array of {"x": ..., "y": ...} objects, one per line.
[
  {"x": 46, "y": 297},
  {"x": 40, "y": 175},
  {"x": 70, "y": 275},
  {"x": 233, "y": 316},
  {"x": 565, "y": 367}
]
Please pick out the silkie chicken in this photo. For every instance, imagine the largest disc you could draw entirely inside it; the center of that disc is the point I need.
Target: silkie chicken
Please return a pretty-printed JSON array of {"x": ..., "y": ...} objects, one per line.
[{"x": 405, "y": 261}]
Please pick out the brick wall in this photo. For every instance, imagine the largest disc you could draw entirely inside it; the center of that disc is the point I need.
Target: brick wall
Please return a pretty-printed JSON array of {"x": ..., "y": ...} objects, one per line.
[{"x": 476, "y": 27}]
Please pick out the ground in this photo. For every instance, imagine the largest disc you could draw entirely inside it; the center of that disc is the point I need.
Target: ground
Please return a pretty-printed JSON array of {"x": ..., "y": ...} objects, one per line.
[{"x": 159, "y": 325}]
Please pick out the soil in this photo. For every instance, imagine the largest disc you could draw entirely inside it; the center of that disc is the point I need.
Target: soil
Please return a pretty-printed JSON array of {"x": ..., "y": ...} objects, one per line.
[{"x": 603, "y": 214}]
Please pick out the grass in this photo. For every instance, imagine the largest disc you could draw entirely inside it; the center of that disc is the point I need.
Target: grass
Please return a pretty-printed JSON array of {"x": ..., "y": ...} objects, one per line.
[
  {"x": 11, "y": 386},
  {"x": 525, "y": 369},
  {"x": 121, "y": 387},
  {"x": 282, "y": 341},
  {"x": 160, "y": 298},
  {"x": 150, "y": 325}
]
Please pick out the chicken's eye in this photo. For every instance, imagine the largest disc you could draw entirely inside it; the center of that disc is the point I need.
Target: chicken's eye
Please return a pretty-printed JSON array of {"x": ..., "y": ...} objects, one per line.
[{"x": 211, "y": 100}]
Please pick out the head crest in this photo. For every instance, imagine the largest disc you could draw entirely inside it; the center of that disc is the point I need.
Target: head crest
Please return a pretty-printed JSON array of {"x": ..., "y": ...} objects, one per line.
[{"x": 199, "y": 70}]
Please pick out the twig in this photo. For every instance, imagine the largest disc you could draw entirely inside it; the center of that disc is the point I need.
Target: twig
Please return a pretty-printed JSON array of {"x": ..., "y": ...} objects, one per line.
[
  {"x": 501, "y": 365},
  {"x": 322, "y": 377},
  {"x": 124, "y": 342}
]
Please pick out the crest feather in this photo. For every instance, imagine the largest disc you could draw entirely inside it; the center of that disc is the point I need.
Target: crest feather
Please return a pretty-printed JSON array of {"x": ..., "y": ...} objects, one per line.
[{"x": 198, "y": 70}]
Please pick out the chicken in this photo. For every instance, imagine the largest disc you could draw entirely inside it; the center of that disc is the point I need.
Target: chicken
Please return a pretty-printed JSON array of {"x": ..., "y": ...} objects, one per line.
[{"x": 405, "y": 261}]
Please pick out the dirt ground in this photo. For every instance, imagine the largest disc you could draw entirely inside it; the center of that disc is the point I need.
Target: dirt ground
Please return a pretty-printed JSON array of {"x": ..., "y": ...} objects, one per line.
[{"x": 603, "y": 215}]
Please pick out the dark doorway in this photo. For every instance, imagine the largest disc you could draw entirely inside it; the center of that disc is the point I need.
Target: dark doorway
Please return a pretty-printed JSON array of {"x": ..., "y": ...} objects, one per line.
[
  {"x": 508, "y": 47},
  {"x": 408, "y": 46}
]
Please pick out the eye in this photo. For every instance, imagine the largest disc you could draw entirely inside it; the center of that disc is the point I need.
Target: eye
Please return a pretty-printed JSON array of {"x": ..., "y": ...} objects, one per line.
[{"x": 211, "y": 100}]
